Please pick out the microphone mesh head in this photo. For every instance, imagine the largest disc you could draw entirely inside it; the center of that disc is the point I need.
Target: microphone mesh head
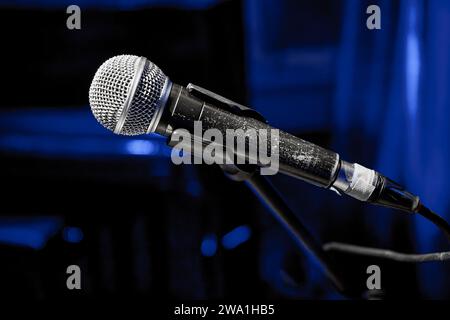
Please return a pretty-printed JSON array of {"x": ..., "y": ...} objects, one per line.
[{"x": 125, "y": 94}]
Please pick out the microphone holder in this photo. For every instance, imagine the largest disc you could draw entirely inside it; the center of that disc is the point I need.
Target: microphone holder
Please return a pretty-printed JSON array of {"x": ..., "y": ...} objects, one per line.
[{"x": 286, "y": 217}]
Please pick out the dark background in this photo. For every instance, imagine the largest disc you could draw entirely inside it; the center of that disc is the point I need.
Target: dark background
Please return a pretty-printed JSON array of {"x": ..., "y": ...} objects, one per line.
[{"x": 139, "y": 226}]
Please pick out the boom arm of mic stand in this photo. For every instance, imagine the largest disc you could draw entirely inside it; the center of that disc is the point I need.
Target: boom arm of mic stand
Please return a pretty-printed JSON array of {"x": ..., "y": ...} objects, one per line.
[{"x": 286, "y": 217}]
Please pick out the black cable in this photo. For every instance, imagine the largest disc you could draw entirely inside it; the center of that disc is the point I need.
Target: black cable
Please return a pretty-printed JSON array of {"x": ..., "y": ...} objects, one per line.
[
  {"x": 436, "y": 219},
  {"x": 433, "y": 217},
  {"x": 386, "y": 254},
  {"x": 392, "y": 195}
]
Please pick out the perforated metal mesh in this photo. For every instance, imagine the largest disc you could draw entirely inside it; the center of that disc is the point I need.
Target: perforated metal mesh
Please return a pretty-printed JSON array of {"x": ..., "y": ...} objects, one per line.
[
  {"x": 110, "y": 87},
  {"x": 144, "y": 104}
]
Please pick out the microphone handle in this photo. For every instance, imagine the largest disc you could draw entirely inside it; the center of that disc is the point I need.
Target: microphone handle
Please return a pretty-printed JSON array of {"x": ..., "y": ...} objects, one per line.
[{"x": 298, "y": 158}]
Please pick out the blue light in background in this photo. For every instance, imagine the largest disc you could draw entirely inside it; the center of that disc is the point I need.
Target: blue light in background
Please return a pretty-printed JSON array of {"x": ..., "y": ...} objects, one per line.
[
  {"x": 209, "y": 245},
  {"x": 412, "y": 61},
  {"x": 73, "y": 234},
  {"x": 141, "y": 147},
  {"x": 28, "y": 232},
  {"x": 236, "y": 237},
  {"x": 114, "y": 4},
  {"x": 81, "y": 146},
  {"x": 72, "y": 133}
]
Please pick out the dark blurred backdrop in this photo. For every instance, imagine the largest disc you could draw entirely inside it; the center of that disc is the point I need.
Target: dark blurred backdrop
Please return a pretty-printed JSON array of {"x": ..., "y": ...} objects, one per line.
[{"x": 139, "y": 226}]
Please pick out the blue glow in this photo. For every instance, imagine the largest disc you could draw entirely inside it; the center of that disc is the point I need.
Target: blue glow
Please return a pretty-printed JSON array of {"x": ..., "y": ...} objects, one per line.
[
  {"x": 412, "y": 62},
  {"x": 30, "y": 232},
  {"x": 72, "y": 133},
  {"x": 236, "y": 237},
  {"x": 209, "y": 245},
  {"x": 114, "y": 4},
  {"x": 73, "y": 234},
  {"x": 81, "y": 146},
  {"x": 141, "y": 147}
]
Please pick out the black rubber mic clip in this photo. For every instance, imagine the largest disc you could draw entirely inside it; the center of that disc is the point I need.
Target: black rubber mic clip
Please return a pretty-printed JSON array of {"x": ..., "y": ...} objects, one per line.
[
  {"x": 235, "y": 172},
  {"x": 224, "y": 103}
]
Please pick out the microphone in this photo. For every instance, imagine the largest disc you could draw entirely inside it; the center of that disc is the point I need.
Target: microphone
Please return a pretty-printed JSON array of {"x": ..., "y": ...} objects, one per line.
[{"x": 130, "y": 95}]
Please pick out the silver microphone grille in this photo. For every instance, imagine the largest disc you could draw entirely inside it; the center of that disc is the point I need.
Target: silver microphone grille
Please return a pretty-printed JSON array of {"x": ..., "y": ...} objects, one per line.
[{"x": 128, "y": 94}]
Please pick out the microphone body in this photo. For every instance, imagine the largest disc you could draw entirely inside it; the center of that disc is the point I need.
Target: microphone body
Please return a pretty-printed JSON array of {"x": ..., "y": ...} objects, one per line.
[{"x": 297, "y": 157}]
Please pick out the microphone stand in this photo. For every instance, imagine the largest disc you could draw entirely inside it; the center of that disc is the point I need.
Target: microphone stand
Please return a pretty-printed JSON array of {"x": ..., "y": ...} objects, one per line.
[{"x": 286, "y": 217}]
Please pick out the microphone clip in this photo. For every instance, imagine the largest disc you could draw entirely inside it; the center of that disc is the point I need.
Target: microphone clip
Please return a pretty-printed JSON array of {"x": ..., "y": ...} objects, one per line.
[
  {"x": 235, "y": 172},
  {"x": 224, "y": 103}
]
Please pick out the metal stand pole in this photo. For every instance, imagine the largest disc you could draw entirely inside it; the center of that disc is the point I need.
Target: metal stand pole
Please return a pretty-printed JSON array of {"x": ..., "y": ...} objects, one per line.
[{"x": 303, "y": 238}]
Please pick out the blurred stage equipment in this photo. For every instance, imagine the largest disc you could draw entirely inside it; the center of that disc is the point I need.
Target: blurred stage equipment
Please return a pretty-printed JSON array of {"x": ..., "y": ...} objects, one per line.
[{"x": 130, "y": 95}]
